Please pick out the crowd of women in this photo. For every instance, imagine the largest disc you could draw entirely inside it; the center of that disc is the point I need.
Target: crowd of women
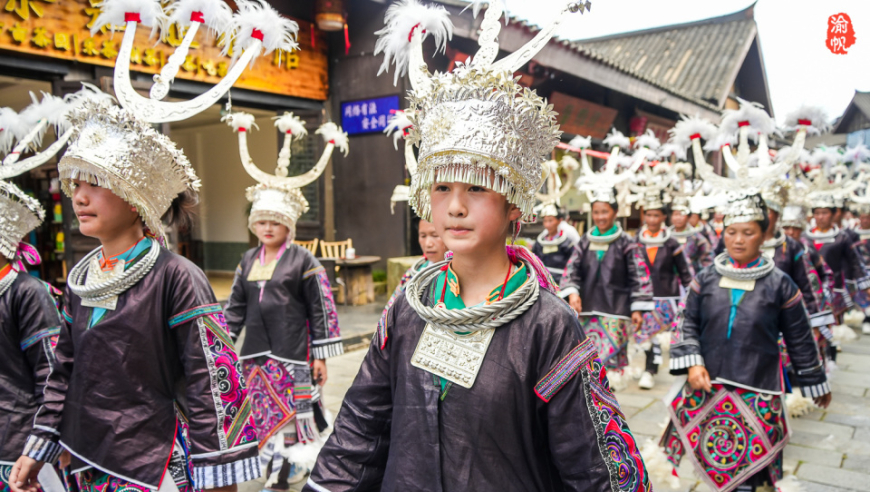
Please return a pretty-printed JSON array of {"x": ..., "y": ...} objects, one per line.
[{"x": 492, "y": 367}]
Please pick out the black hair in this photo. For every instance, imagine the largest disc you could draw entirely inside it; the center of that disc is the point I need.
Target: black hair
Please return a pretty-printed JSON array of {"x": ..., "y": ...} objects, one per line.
[
  {"x": 182, "y": 211},
  {"x": 832, "y": 209},
  {"x": 765, "y": 223}
]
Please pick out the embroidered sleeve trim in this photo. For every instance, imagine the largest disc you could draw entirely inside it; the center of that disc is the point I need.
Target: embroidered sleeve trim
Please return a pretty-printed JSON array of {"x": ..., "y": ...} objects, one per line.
[
  {"x": 194, "y": 313},
  {"x": 824, "y": 318},
  {"x": 325, "y": 351},
  {"x": 564, "y": 293},
  {"x": 695, "y": 286},
  {"x": 686, "y": 361},
  {"x": 313, "y": 271},
  {"x": 66, "y": 316},
  {"x": 798, "y": 297},
  {"x": 34, "y": 339},
  {"x": 816, "y": 390},
  {"x": 213, "y": 476},
  {"x": 42, "y": 449},
  {"x": 565, "y": 370}
]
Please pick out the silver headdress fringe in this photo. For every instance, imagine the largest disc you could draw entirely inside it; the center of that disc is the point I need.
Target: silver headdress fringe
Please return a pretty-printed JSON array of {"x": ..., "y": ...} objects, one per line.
[{"x": 19, "y": 214}]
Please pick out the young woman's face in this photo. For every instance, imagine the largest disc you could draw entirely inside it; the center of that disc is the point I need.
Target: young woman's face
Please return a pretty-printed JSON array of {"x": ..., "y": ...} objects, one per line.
[
  {"x": 430, "y": 242},
  {"x": 793, "y": 232},
  {"x": 603, "y": 216},
  {"x": 551, "y": 224},
  {"x": 271, "y": 233},
  {"x": 101, "y": 213},
  {"x": 679, "y": 220},
  {"x": 743, "y": 241},
  {"x": 694, "y": 219},
  {"x": 865, "y": 221},
  {"x": 470, "y": 218},
  {"x": 824, "y": 218},
  {"x": 654, "y": 219}
]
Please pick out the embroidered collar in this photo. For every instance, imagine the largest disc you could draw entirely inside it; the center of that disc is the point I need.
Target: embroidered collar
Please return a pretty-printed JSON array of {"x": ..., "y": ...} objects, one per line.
[
  {"x": 654, "y": 241},
  {"x": 452, "y": 298},
  {"x": 776, "y": 241},
  {"x": 816, "y": 235},
  {"x": 262, "y": 255},
  {"x": 129, "y": 255},
  {"x": 608, "y": 237},
  {"x": 559, "y": 239}
]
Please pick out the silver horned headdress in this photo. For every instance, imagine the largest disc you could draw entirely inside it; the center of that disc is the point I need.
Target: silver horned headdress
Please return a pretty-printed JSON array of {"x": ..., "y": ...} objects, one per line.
[
  {"x": 19, "y": 214},
  {"x": 254, "y": 30},
  {"x": 278, "y": 197},
  {"x": 601, "y": 186},
  {"x": 113, "y": 149},
  {"x": 476, "y": 124}
]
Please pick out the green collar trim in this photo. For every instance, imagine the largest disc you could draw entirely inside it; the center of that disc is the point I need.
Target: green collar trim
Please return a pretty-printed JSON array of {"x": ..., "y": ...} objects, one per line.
[{"x": 452, "y": 299}]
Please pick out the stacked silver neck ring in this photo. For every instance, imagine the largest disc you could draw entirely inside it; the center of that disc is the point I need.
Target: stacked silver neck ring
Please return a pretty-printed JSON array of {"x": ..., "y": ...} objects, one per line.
[
  {"x": 654, "y": 241},
  {"x": 114, "y": 286},
  {"x": 7, "y": 281},
  {"x": 606, "y": 239},
  {"x": 724, "y": 267},
  {"x": 688, "y": 231},
  {"x": 776, "y": 241},
  {"x": 475, "y": 318},
  {"x": 824, "y": 235}
]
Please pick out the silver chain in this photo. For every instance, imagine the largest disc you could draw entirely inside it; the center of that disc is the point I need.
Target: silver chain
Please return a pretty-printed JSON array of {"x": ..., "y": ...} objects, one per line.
[
  {"x": 7, "y": 281},
  {"x": 723, "y": 266},
  {"x": 114, "y": 286},
  {"x": 474, "y": 318}
]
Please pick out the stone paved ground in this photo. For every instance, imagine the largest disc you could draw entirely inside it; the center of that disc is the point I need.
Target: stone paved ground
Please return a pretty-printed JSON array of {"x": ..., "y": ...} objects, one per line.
[{"x": 829, "y": 449}]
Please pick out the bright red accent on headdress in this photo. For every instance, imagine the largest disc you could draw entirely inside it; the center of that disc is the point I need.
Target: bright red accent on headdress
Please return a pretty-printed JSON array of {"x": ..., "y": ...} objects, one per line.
[
  {"x": 346, "y": 40},
  {"x": 243, "y": 129},
  {"x": 289, "y": 132},
  {"x": 743, "y": 123},
  {"x": 411, "y": 34},
  {"x": 332, "y": 142},
  {"x": 257, "y": 34},
  {"x": 197, "y": 17},
  {"x": 694, "y": 136},
  {"x": 132, "y": 17},
  {"x": 805, "y": 122}
]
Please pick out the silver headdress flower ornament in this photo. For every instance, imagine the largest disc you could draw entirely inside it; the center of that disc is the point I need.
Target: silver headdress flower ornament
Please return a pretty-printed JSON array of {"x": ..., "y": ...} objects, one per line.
[
  {"x": 19, "y": 214},
  {"x": 254, "y": 30},
  {"x": 113, "y": 149},
  {"x": 398, "y": 127},
  {"x": 476, "y": 124},
  {"x": 30, "y": 126},
  {"x": 601, "y": 186},
  {"x": 278, "y": 197}
]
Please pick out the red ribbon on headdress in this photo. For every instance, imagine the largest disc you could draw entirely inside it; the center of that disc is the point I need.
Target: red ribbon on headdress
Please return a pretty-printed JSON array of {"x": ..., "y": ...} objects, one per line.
[
  {"x": 743, "y": 123},
  {"x": 132, "y": 17},
  {"x": 805, "y": 122},
  {"x": 694, "y": 136},
  {"x": 197, "y": 17},
  {"x": 257, "y": 34},
  {"x": 26, "y": 254}
]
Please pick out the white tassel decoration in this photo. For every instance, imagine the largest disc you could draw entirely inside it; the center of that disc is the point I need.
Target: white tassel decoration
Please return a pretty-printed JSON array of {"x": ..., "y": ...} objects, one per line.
[
  {"x": 817, "y": 117},
  {"x": 854, "y": 318},
  {"x": 12, "y": 128},
  {"x": 113, "y": 13},
  {"x": 240, "y": 121},
  {"x": 402, "y": 20},
  {"x": 647, "y": 140},
  {"x": 789, "y": 483},
  {"x": 398, "y": 123},
  {"x": 659, "y": 469},
  {"x": 256, "y": 19},
  {"x": 215, "y": 14},
  {"x": 289, "y": 122},
  {"x": 333, "y": 133},
  {"x": 798, "y": 404},
  {"x": 617, "y": 380},
  {"x": 616, "y": 139},
  {"x": 579, "y": 142},
  {"x": 843, "y": 333}
]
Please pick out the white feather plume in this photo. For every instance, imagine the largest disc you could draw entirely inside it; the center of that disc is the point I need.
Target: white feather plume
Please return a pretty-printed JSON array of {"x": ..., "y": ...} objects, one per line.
[
  {"x": 279, "y": 33},
  {"x": 289, "y": 122},
  {"x": 12, "y": 125},
  {"x": 682, "y": 132},
  {"x": 857, "y": 154},
  {"x": 826, "y": 157},
  {"x": 396, "y": 127},
  {"x": 616, "y": 139},
  {"x": 720, "y": 139},
  {"x": 52, "y": 109},
  {"x": 817, "y": 116},
  {"x": 671, "y": 149},
  {"x": 648, "y": 140},
  {"x": 218, "y": 16},
  {"x": 784, "y": 152},
  {"x": 789, "y": 483},
  {"x": 240, "y": 121},
  {"x": 333, "y": 133},
  {"x": 403, "y": 18},
  {"x": 579, "y": 142},
  {"x": 842, "y": 333},
  {"x": 658, "y": 467},
  {"x": 752, "y": 112},
  {"x": 113, "y": 13},
  {"x": 88, "y": 92},
  {"x": 476, "y": 5}
]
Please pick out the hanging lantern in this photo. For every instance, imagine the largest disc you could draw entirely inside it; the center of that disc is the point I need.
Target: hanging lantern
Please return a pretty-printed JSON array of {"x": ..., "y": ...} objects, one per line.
[{"x": 329, "y": 15}]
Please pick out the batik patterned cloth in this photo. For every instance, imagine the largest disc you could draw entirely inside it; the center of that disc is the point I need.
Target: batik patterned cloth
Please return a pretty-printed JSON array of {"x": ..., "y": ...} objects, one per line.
[
  {"x": 271, "y": 390},
  {"x": 860, "y": 297},
  {"x": 610, "y": 335},
  {"x": 730, "y": 434},
  {"x": 662, "y": 318}
]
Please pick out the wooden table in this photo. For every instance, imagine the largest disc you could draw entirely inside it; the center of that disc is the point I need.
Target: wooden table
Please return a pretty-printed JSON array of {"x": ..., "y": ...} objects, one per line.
[{"x": 357, "y": 277}]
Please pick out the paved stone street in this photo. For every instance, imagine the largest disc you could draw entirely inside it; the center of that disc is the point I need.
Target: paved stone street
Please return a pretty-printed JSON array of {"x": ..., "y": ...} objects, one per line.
[{"x": 829, "y": 449}]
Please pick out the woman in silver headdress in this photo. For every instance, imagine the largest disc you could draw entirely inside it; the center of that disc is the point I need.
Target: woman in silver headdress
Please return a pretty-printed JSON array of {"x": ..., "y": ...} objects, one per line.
[{"x": 729, "y": 418}]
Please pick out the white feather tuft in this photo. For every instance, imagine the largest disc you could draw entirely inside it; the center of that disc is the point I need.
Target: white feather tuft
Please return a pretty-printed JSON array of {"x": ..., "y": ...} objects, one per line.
[
  {"x": 798, "y": 404},
  {"x": 399, "y": 122},
  {"x": 113, "y": 14},
  {"x": 857, "y": 154},
  {"x": 404, "y": 18},
  {"x": 278, "y": 32},
  {"x": 843, "y": 333},
  {"x": 789, "y": 483},
  {"x": 616, "y": 139},
  {"x": 216, "y": 14},
  {"x": 682, "y": 133},
  {"x": 12, "y": 127},
  {"x": 784, "y": 152},
  {"x": 671, "y": 149},
  {"x": 853, "y": 318},
  {"x": 719, "y": 140},
  {"x": 289, "y": 122},
  {"x": 333, "y": 133},
  {"x": 476, "y": 5},
  {"x": 240, "y": 121},
  {"x": 579, "y": 142},
  {"x": 52, "y": 109},
  {"x": 752, "y": 112},
  {"x": 648, "y": 140},
  {"x": 659, "y": 469},
  {"x": 617, "y": 379},
  {"x": 817, "y": 116},
  {"x": 826, "y": 157}
]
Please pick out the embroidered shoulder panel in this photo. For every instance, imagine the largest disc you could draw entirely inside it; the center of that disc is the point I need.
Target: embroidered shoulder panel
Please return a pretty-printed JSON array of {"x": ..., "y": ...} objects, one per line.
[{"x": 565, "y": 370}]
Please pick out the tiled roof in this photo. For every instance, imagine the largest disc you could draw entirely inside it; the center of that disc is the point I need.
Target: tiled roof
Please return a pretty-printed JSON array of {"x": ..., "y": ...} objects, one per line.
[{"x": 860, "y": 102}]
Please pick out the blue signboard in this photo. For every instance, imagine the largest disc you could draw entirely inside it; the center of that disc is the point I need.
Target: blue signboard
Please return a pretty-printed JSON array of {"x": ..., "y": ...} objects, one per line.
[{"x": 369, "y": 115}]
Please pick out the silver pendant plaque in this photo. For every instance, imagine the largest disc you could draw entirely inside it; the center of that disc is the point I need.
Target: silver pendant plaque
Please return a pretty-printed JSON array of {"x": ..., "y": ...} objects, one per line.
[
  {"x": 456, "y": 358},
  {"x": 97, "y": 275}
]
